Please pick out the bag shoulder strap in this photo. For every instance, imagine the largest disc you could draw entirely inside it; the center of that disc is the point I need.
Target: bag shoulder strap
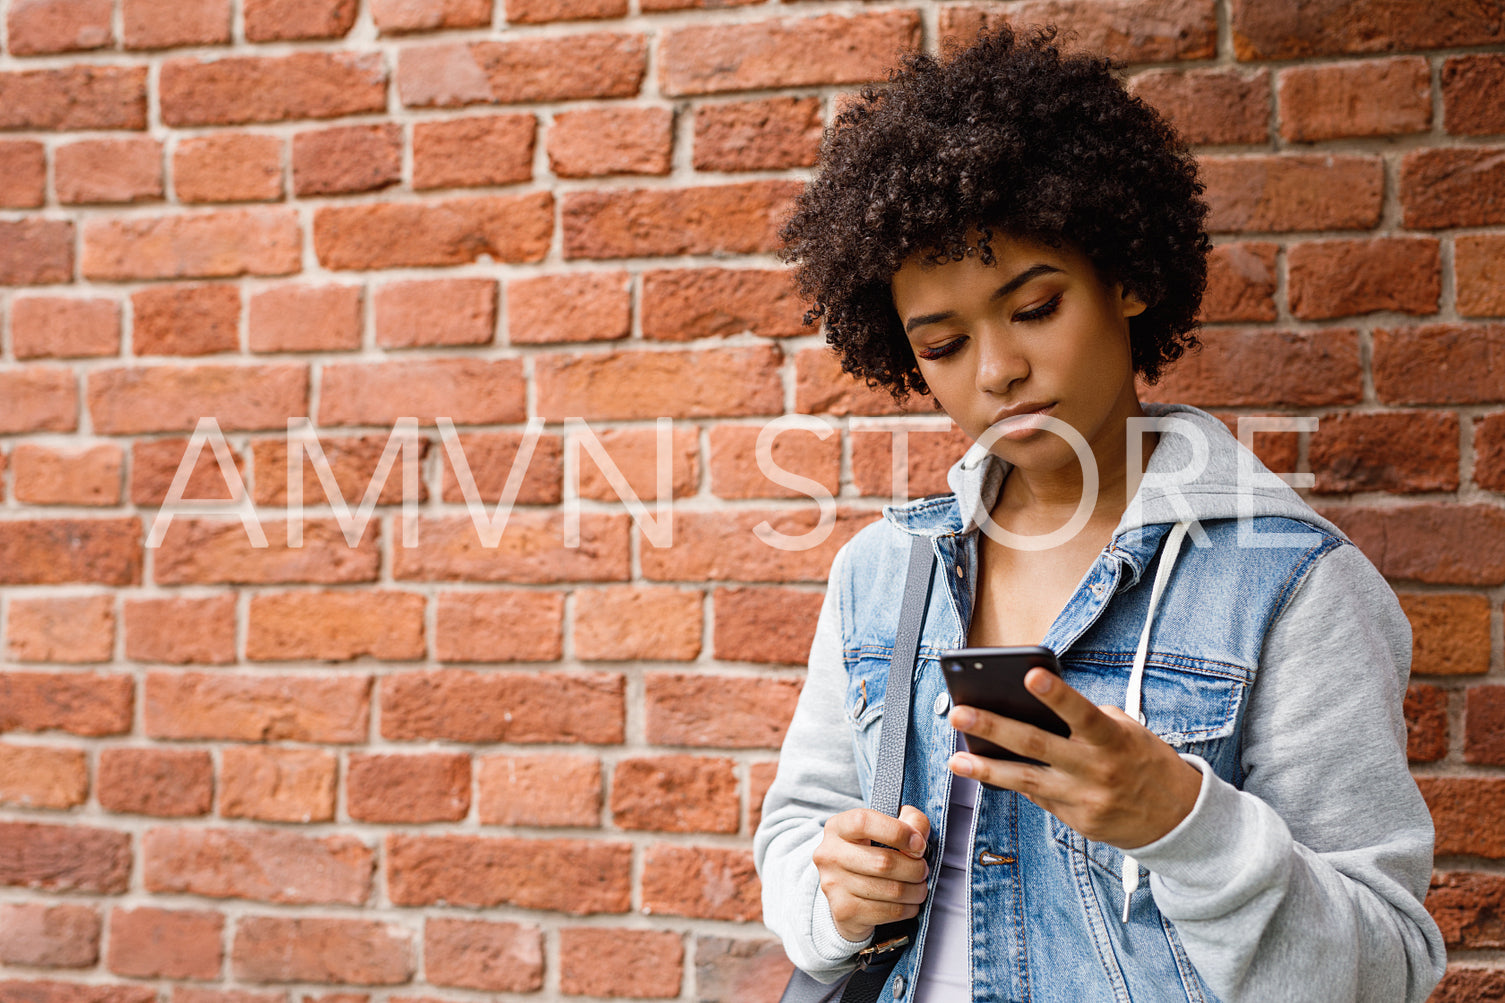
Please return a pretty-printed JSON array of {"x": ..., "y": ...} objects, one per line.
[{"x": 888, "y": 780}]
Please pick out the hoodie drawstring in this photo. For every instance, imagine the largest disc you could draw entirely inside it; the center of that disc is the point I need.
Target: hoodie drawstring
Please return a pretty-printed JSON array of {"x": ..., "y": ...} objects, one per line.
[{"x": 1136, "y": 677}]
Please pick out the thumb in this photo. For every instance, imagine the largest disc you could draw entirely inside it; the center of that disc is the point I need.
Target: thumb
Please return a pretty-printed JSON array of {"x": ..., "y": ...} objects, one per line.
[{"x": 912, "y": 816}]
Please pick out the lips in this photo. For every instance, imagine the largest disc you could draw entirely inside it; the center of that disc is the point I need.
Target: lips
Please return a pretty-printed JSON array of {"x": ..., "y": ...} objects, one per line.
[{"x": 1025, "y": 417}]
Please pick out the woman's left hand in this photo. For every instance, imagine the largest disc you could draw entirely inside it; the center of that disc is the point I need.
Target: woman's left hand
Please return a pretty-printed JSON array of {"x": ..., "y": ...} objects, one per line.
[{"x": 1113, "y": 780}]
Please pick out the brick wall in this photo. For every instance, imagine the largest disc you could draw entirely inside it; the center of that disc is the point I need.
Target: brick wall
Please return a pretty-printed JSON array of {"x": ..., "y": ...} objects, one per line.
[{"x": 356, "y": 770}]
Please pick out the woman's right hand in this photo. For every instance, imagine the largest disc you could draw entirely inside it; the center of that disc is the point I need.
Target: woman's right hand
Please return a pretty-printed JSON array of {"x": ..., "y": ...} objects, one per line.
[{"x": 869, "y": 885}]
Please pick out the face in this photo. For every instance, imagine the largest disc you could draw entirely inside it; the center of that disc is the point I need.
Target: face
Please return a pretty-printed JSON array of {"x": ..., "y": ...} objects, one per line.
[{"x": 1036, "y": 332}]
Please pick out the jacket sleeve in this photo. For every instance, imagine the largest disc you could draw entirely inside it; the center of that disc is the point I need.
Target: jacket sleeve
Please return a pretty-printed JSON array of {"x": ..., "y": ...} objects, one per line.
[
  {"x": 1308, "y": 883},
  {"x": 816, "y": 778}
]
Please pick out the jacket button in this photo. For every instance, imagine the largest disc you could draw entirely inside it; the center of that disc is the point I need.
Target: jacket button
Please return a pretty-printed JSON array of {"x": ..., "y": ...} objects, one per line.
[
  {"x": 959, "y": 572},
  {"x": 942, "y": 704},
  {"x": 898, "y": 986}
]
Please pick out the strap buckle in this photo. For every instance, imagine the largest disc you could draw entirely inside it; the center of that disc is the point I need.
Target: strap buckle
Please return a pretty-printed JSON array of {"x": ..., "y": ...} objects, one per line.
[{"x": 869, "y": 954}]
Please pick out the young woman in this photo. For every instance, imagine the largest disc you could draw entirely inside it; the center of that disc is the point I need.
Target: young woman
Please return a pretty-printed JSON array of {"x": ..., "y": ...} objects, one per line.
[{"x": 1231, "y": 816}]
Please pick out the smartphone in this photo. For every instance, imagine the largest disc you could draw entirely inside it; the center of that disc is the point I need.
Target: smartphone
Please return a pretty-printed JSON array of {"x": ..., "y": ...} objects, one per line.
[{"x": 993, "y": 679}]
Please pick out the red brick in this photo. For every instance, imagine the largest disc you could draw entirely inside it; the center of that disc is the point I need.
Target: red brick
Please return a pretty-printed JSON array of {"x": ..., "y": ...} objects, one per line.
[
  {"x": 154, "y": 943},
  {"x": 785, "y": 52},
  {"x": 1131, "y": 31},
  {"x": 562, "y": 875},
  {"x": 531, "y": 550},
  {"x": 655, "y": 6},
  {"x": 169, "y": 398},
  {"x": 432, "y": 787},
  {"x": 1440, "y": 364},
  {"x": 1457, "y": 186},
  {"x": 516, "y": 707},
  {"x": 768, "y": 625},
  {"x": 181, "y": 631},
  {"x": 543, "y": 11},
  {"x": 313, "y": 949},
  {"x": 271, "y": 88},
  {"x": 298, "y": 708},
  {"x": 701, "y": 882},
  {"x": 207, "y": 245},
  {"x": 575, "y": 306},
  {"x": 474, "y": 152},
  {"x": 185, "y": 320},
  {"x": 475, "y": 954},
  {"x": 1382, "y": 97},
  {"x": 727, "y": 546},
  {"x": 728, "y": 712},
  {"x": 1479, "y": 270},
  {"x": 509, "y": 228},
  {"x": 1466, "y": 812},
  {"x": 760, "y": 777},
  {"x": 512, "y": 625},
  {"x": 1470, "y": 86},
  {"x": 155, "y": 462},
  {"x": 820, "y": 387},
  {"x": 164, "y": 24},
  {"x": 1467, "y": 908},
  {"x": 163, "y": 782},
  {"x": 62, "y": 629},
  {"x": 64, "y": 858},
  {"x": 393, "y": 16},
  {"x": 48, "y": 936},
  {"x": 74, "y": 97},
  {"x": 735, "y": 472},
  {"x": 218, "y": 551},
  {"x": 675, "y": 794},
  {"x": 1240, "y": 283},
  {"x": 929, "y": 455},
  {"x": 1426, "y": 723},
  {"x": 54, "y": 326},
  {"x": 1221, "y": 105},
  {"x": 270, "y": 865},
  {"x": 435, "y": 312},
  {"x": 737, "y": 970},
  {"x": 643, "y": 964},
  {"x": 89, "y": 476},
  {"x": 57, "y": 551},
  {"x": 305, "y": 319},
  {"x": 592, "y": 142},
  {"x": 1267, "y": 368},
  {"x": 596, "y": 65},
  {"x": 635, "y": 454},
  {"x": 75, "y": 992},
  {"x": 228, "y": 167},
  {"x": 83, "y": 703},
  {"x": 35, "y": 252},
  {"x": 352, "y": 461},
  {"x": 275, "y": 20},
  {"x": 1340, "y": 278},
  {"x": 490, "y": 457},
  {"x": 352, "y": 158},
  {"x": 1489, "y": 451},
  {"x": 628, "y": 622},
  {"x": 37, "y": 27},
  {"x": 1299, "y": 191},
  {"x": 639, "y": 384},
  {"x": 468, "y": 391},
  {"x": 1398, "y": 451},
  {"x": 1450, "y": 633},
  {"x": 108, "y": 170},
  {"x": 23, "y": 173},
  {"x": 542, "y": 790},
  {"x": 1286, "y": 29},
  {"x": 277, "y": 784},
  {"x": 190, "y": 994},
  {"x": 758, "y": 135},
  {"x": 681, "y": 304},
  {"x": 1440, "y": 543},
  {"x": 663, "y": 222},
  {"x": 1465, "y": 984},
  {"x": 1484, "y": 726},
  {"x": 41, "y": 776},
  {"x": 335, "y": 626}
]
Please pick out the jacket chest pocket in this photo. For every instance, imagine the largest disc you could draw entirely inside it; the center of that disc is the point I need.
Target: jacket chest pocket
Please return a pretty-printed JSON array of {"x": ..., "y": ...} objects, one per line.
[{"x": 867, "y": 684}]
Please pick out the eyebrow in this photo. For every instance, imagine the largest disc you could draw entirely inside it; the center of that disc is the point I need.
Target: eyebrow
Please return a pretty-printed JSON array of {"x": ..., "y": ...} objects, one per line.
[{"x": 1032, "y": 272}]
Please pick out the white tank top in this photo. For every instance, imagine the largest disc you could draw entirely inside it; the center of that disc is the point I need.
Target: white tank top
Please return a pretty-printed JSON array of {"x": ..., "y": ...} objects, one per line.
[{"x": 946, "y": 970}]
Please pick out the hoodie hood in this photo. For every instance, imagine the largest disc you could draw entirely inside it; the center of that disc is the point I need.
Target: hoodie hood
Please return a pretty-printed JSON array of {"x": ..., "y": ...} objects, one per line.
[{"x": 1199, "y": 472}]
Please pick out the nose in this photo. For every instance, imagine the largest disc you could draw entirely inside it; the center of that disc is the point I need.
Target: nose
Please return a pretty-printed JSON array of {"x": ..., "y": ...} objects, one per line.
[{"x": 1000, "y": 362}]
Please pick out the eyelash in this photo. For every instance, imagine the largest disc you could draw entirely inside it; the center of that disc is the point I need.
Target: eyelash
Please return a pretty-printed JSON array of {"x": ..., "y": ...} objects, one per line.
[{"x": 1038, "y": 313}]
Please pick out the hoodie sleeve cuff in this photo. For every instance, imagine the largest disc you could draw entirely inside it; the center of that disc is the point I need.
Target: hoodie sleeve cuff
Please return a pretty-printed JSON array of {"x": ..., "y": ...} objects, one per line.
[{"x": 829, "y": 943}]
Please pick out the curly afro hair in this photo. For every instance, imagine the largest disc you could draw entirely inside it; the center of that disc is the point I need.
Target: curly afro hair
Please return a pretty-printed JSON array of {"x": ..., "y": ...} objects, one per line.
[{"x": 1006, "y": 136}]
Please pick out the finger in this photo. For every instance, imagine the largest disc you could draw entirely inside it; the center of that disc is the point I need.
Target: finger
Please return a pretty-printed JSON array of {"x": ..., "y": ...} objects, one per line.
[
  {"x": 1037, "y": 783},
  {"x": 867, "y": 824},
  {"x": 879, "y": 862},
  {"x": 1087, "y": 723},
  {"x": 912, "y": 816},
  {"x": 871, "y": 889},
  {"x": 1016, "y": 736}
]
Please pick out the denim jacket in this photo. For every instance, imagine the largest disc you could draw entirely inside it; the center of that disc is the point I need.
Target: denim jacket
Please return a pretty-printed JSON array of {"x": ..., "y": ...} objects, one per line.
[{"x": 1276, "y": 664}]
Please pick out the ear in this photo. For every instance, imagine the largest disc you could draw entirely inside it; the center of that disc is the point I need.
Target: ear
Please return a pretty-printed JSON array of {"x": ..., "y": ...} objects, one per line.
[{"x": 1133, "y": 306}]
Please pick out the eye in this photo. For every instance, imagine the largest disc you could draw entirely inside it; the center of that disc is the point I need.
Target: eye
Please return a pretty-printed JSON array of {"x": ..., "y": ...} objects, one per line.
[
  {"x": 1040, "y": 312},
  {"x": 940, "y": 351}
]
